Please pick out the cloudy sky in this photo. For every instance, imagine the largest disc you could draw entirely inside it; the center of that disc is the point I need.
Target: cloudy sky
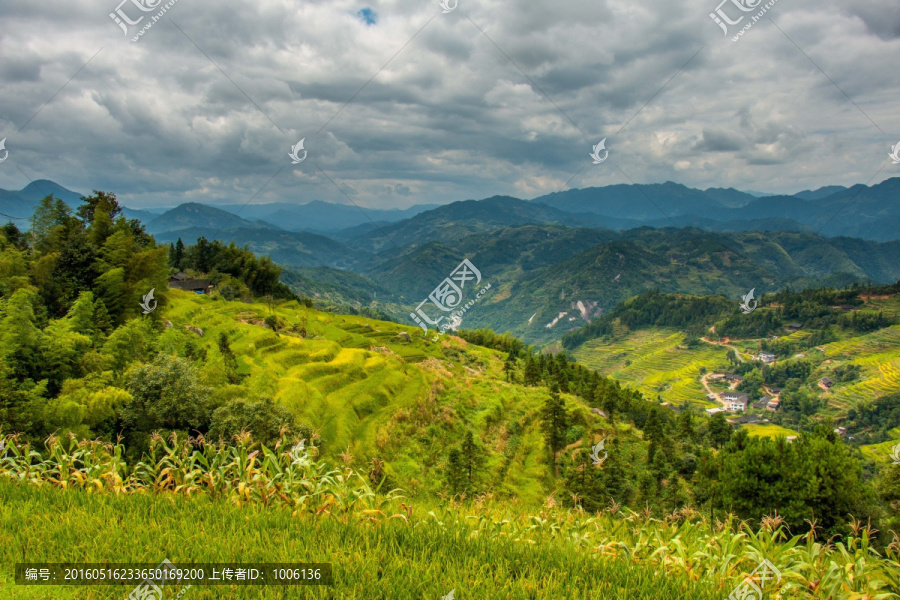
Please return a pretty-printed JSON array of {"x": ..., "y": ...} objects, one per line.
[{"x": 488, "y": 98}]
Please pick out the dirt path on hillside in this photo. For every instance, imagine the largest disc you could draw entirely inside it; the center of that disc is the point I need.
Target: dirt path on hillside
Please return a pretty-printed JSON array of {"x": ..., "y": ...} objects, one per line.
[
  {"x": 705, "y": 381},
  {"x": 724, "y": 345}
]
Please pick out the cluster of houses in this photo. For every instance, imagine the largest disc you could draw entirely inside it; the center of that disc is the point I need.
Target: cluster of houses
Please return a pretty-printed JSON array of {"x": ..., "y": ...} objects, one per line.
[{"x": 739, "y": 402}]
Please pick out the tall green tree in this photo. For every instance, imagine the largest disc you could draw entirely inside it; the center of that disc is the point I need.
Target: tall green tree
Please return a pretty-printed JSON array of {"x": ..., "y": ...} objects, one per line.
[
  {"x": 50, "y": 223},
  {"x": 554, "y": 423},
  {"x": 176, "y": 255},
  {"x": 98, "y": 202},
  {"x": 20, "y": 337},
  {"x": 719, "y": 430},
  {"x": 509, "y": 367},
  {"x": 473, "y": 460},
  {"x": 456, "y": 473},
  {"x": 532, "y": 371}
]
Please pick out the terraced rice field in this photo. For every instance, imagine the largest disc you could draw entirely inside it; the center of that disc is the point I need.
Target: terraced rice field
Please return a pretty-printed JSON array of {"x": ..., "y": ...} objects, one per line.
[
  {"x": 878, "y": 354},
  {"x": 340, "y": 385},
  {"x": 367, "y": 391},
  {"x": 657, "y": 365},
  {"x": 796, "y": 336}
]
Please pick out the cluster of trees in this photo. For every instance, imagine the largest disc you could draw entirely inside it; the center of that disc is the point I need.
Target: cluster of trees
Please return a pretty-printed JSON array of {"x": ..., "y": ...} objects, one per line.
[
  {"x": 872, "y": 419},
  {"x": 815, "y": 477},
  {"x": 236, "y": 272},
  {"x": 465, "y": 467},
  {"x": 759, "y": 323},
  {"x": 70, "y": 290},
  {"x": 798, "y": 406},
  {"x": 78, "y": 355},
  {"x": 93, "y": 249},
  {"x": 816, "y": 309},
  {"x": 487, "y": 338},
  {"x": 864, "y": 321}
]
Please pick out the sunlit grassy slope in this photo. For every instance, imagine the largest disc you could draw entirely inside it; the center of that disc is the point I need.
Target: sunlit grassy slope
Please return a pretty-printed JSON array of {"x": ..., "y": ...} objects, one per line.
[
  {"x": 373, "y": 394},
  {"x": 769, "y": 430},
  {"x": 652, "y": 361}
]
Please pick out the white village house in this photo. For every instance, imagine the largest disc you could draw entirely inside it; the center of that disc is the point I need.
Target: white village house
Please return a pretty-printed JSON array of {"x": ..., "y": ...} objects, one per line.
[
  {"x": 736, "y": 401},
  {"x": 767, "y": 358}
]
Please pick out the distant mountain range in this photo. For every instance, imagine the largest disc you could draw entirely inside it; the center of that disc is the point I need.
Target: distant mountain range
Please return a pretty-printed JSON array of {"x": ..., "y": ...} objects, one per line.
[
  {"x": 558, "y": 261},
  {"x": 861, "y": 211},
  {"x": 18, "y": 206},
  {"x": 867, "y": 212},
  {"x": 315, "y": 216}
]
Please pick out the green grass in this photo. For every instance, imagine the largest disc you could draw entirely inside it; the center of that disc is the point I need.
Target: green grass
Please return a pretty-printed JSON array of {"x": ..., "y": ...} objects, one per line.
[
  {"x": 769, "y": 430},
  {"x": 658, "y": 366},
  {"x": 391, "y": 560}
]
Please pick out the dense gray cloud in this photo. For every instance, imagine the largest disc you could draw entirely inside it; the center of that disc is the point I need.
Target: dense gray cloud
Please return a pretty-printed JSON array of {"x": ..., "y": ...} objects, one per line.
[{"x": 206, "y": 105}]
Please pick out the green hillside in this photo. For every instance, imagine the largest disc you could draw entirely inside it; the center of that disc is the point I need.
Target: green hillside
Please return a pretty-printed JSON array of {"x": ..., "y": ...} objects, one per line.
[
  {"x": 540, "y": 270},
  {"x": 240, "y": 422},
  {"x": 365, "y": 390}
]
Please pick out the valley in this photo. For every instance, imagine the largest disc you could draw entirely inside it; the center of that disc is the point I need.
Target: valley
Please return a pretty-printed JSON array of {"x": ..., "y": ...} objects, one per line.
[{"x": 643, "y": 399}]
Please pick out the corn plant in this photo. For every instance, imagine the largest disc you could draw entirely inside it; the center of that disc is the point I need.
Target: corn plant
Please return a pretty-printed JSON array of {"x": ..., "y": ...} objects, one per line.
[{"x": 683, "y": 543}]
